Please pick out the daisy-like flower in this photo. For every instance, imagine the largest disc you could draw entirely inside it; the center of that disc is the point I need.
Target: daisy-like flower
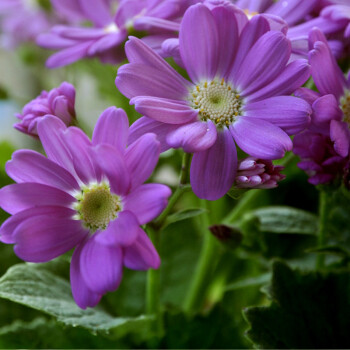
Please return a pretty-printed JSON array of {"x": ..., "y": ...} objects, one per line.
[
  {"x": 22, "y": 21},
  {"x": 85, "y": 194},
  {"x": 325, "y": 147},
  {"x": 58, "y": 102},
  {"x": 240, "y": 82},
  {"x": 110, "y": 28}
]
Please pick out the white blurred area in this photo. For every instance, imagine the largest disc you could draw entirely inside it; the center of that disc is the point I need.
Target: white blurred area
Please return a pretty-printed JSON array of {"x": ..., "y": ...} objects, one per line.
[{"x": 24, "y": 82}]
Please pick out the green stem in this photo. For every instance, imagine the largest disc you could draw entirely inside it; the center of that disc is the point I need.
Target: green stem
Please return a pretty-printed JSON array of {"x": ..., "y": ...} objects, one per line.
[
  {"x": 154, "y": 230},
  {"x": 182, "y": 187},
  {"x": 205, "y": 266},
  {"x": 322, "y": 226},
  {"x": 153, "y": 280}
]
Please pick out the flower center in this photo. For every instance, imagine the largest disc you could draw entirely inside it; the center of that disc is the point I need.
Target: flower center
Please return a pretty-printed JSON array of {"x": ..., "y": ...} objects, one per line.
[
  {"x": 250, "y": 14},
  {"x": 96, "y": 206},
  {"x": 345, "y": 106},
  {"x": 111, "y": 28},
  {"x": 216, "y": 101}
]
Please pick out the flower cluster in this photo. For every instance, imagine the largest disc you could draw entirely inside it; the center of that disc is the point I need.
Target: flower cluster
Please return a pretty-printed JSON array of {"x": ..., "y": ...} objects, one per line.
[{"x": 235, "y": 107}]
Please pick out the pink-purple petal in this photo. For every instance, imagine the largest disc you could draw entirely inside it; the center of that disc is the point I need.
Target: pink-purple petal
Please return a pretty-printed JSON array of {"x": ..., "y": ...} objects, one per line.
[
  {"x": 213, "y": 170},
  {"x": 340, "y": 135},
  {"x": 193, "y": 137},
  {"x": 147, "y": 125},
  {"x": 147, "y": 201},
  {"x": 141, "y": 255},
  {"x": 101, "y": 266},
  {"x": 112, "y": 128},
  {"x": 30, "y": 166},
  {"x": 199, "y": 43},
  {"x": 42, "y": 237},
  {"x": 17, "y": 197},
  {"x": 113, "y": 165},
  {"x": 260, "y": 139},
  {"x": 141, "y": 158},
  {"x": 121, "y": 231},
  {"x": 83, "y": 296},
  {"x": 164, "y": 110},
  {"x": 264, "y": 62},
  {"x": 290, "y": 113}
]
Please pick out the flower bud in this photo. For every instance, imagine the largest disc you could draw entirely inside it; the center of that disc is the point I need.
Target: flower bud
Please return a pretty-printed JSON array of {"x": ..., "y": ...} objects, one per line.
[
  {"x": 58, "y": 102},
  {"x": 258, "y": 173}
]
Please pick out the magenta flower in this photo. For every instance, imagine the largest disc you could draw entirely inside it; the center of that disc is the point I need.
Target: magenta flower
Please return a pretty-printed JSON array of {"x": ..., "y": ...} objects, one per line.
[
  {"x": 85, "y": 194},
  {"x": 21, "y": 21},
  {"x": 325, "y": 148},
  {"x": 238, "y": 93},
  {"x": 58, "y": 102},
  {"x": 159, "y": 18},
  {"x": 258, "y": 173}
]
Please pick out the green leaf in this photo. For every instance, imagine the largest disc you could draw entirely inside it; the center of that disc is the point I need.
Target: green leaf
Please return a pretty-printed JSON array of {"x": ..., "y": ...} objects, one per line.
[
  {"x": 308, "y": 310},
  {"x": 283, "y": 219},
  {"x": 329, "y": 249},
  {"x": 183, "y": 215},
  {"x": 249, "y": 282},
  {"x": 42, "y": 290}
]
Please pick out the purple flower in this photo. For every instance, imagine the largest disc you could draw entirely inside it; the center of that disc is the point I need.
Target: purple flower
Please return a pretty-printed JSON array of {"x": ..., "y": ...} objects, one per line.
[
  {"x": 159, "y": 18},
  {"x": 58, "y": 102},
  {"x": 21, "y": 21},
  {"x": 325, "y": 148},
  {"x": 241, "y": 80},
  {"x": 85, "y": 194},
  {"x": 258, "y": 173}
]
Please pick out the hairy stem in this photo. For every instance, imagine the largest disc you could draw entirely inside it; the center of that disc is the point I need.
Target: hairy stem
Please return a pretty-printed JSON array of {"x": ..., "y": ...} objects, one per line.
[{"x": 322, "y": 227}]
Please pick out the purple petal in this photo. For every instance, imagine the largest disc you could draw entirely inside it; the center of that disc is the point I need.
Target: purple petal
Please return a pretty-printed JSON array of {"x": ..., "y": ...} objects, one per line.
[
  {"x": 101, "y": 266},
  {"x": 138, "y": 52},
  {"x": 294, "y": 75},
  {"x": 79, "y": 147},
  {"x": 137, "y": 79},
  {"x": 17, "y": 197},
  {"x": 147, "y": 201},
  {"x": 44, "y": 237},
  {"x": 324, "y": 72},
  {"x": 146, "y": 125},
  {"x": 112, "y": 128},
  {"x": 30, "y": 166},
  {"x": 253, "y": 30},
  {"x": 50, "y": 130},
  {"x": 340, "y": 135},
  {"x": 290, "y": 113},
  {"x": 82, "y": 295},
  {"x": 264, "y": 62},
  {"x": 213, "y": 170},
  {"x": 97, "y": 12},
  {"x": 164, "y": 110},
  {"x": 68, "y": 55},
  {"x": 106, "y": 43},
  {"x": 260, "y": 139},
  {"x": 199, "y": 43},
  {"x": 306, "y": 94},
  {"x": 122, "y": 231},
  {"x": 193, "y": 137},
  {"x": 227, "y": 28},
  {"x": 326, "y": 108},
  {"x": 141, "y": 255},
  {"x": 141, "y": 158},
  {"x": 113, "y": 165},
  {"x": 292, "y": 11},
  {"x": 149, "y": 23}
]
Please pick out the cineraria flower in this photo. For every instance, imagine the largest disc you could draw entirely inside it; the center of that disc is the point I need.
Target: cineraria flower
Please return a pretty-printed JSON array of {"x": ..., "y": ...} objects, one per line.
[
  {"x": 85, "y": 194},
  {"x": 325, "y": 148},
  {"x": 258, "y": 173},
  {"x": 58, "y": 102},
  {"x": 22, "y": 21},
  {"x": 110, "y": 29},
  {"x": 239, "y": 92}
]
